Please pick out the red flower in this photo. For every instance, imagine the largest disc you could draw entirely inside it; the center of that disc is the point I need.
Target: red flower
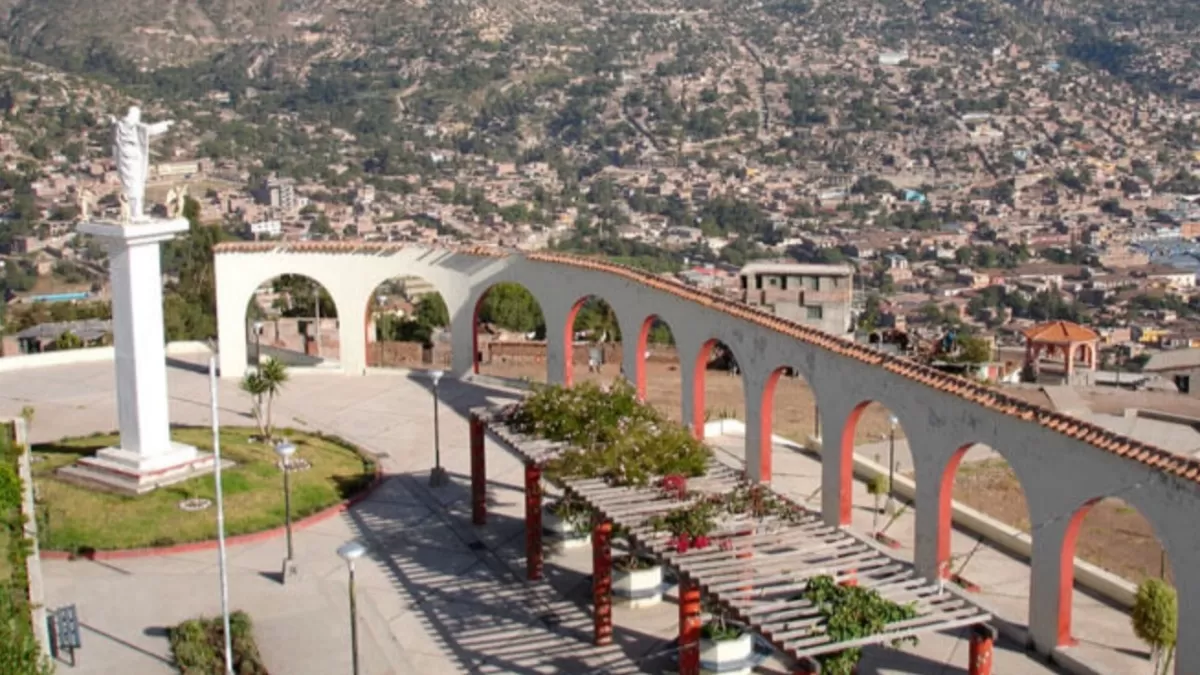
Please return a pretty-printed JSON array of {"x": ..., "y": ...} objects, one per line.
[
  {"x": 700, "y": 542},
  {"x": 726, "y": 544},
  {"x": 681, "y": 544},
  {"x": 675, "y": 485}
]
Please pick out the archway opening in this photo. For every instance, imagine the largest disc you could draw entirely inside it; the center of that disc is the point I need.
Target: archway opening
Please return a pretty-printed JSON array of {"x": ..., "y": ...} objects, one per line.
[
  {"x": 721, "y": 396},
  {"x": 656, "y": 372},
  {"x": 510, "y": 334},
  {"x": 407, "y": 325},
  {"x": 788, "y": 410},
  {"x": 872, "y": 432},
  {"x": 1113, "y": 535},
  {"x": 978, "y": 477},
  {"x": 292, "y": 318},
  {"x": 594, "y": 338}
]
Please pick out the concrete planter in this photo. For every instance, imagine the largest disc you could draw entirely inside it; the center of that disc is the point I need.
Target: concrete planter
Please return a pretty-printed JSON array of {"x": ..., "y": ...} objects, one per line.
[
  {"x": 728, "y": 657},
  {"x": 564, "y": 534},
  {"x": 638, "y": 588}
]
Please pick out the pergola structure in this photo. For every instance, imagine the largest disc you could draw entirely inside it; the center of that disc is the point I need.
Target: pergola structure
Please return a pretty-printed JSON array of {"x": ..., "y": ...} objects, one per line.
[
  {"x": 757, "y": 575},
  {"x": 1070, "y": 339}
]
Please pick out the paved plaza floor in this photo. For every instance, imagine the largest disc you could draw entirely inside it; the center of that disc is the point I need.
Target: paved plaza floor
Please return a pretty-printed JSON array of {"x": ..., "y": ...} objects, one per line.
[{"x": 437, "y": 595}]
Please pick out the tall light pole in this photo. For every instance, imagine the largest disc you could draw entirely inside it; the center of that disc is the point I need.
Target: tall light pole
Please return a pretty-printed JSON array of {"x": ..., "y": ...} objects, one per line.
[
  {"x": 350, "y": 552},
  {"x": 216, "y": 442},
  {"x": 258, "y": 326},
  {"x": 285, "y": 450},
  {"x": 892, "y": 422},
  {"x": 317, "y": 304},
  {"x": 437, "y": 477}
]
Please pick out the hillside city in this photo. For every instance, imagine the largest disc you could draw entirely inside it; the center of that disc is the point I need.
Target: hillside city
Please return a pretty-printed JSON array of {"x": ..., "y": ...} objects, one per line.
[{"x": 975, "y": 185}]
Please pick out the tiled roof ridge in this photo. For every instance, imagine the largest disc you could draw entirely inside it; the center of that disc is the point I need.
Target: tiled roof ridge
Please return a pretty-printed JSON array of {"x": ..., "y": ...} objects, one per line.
[
  {"x": 988, "y": 397},
  {"x": 1069, "y": 330}
]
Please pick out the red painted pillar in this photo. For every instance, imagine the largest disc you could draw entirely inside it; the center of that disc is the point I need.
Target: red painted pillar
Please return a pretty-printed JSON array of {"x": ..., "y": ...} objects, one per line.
[
  {"x": 533, "y": 521},
  {"x": 639, "y": 365},
  {"x": 850, "y": 579},
  {"x": 478, "y": 473},
  {"x": 689, "y": 627},
  {"x": 983, "y": 637},
  {"x": 602, "y": 581}
]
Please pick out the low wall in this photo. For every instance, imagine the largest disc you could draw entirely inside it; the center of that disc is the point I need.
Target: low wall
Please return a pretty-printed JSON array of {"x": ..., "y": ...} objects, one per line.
[
  {"x": 395, "y": 354},
  {"x": 88, "y": 355},
  {"x": 18, "y": 430},
  {"x": 535, "y": 352},
  {"x": 1100, "y": 581}
]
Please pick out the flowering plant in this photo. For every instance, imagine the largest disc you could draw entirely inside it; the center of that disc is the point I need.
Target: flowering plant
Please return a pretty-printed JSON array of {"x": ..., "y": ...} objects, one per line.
[
  {"x": 674, "y": 485},
  {"x": 613, "y": 435}
]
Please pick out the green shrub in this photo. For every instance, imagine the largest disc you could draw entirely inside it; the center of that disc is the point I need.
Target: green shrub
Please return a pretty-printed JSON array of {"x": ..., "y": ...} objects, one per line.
[
  {"x": 10, "y": 489},
  {"x": 19, "y": 652},
  {"x": 614, "y": 435},
  {"x": 1155, "y": 618},
  {"x": 198, "y": 646}
]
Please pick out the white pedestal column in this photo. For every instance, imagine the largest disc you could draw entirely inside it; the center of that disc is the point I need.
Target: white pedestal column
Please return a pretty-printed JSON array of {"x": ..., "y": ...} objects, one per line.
[{"x": 147, "y": 457}]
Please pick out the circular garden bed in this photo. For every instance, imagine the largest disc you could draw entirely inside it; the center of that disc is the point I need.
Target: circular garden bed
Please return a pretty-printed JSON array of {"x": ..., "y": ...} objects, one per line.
[{"x": 79, "y": 519}]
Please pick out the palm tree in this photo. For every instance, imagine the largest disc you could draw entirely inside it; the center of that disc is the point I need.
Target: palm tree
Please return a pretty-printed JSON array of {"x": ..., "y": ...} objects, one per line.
[{"x": 264, "y": 385}]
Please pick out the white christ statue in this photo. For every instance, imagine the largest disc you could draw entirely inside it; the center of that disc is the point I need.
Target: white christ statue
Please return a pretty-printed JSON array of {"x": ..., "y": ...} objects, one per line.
[{"x": 131, "y": 151}]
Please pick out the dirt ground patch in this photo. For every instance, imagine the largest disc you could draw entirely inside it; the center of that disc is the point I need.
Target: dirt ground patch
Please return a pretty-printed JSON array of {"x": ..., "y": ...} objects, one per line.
[
  {"x": 723, "y": 397},
  {"x": 1113, "y": 534}
]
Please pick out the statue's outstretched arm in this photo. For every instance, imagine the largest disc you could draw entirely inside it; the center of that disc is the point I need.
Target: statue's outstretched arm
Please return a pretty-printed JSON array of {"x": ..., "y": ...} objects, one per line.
[{"x": 159, "y": 128}]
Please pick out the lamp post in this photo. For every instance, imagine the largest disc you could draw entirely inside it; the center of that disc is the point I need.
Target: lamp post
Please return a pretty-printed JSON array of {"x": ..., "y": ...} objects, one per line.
[
  {"x": 892, "y": 422},
  {"x": 437, "y": 477},
  {"x": 350, "y": 552},
  {"x": 258, "y": 326},
  {"x": 285, "y": 450},
  {"x": 317, "y": 297},
  {"x": 221, "y": 558}
]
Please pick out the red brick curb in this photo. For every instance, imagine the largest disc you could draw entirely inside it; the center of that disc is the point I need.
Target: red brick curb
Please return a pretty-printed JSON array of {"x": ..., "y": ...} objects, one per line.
[{"x": 250, "y": 538}]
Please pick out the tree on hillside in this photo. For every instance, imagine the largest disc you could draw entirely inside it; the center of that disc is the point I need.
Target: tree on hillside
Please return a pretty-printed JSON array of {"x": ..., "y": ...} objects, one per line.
[
  {"x": 298, "y": 297},
  {"x": 190, "y": 302},
  {"x": 68, "y": 340},
  {"x": 431, "y": 311},
  {"x": 513, "y": 307}
]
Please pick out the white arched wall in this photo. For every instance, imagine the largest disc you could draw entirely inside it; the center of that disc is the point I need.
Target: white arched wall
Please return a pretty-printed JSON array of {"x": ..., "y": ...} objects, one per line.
[
  {"x": 350, "y": 279},
  {"x": 1059, "y": 473}
]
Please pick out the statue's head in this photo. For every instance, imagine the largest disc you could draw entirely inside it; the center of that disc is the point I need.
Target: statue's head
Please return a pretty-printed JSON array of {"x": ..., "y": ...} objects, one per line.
[{"x": 134, "y": 114}]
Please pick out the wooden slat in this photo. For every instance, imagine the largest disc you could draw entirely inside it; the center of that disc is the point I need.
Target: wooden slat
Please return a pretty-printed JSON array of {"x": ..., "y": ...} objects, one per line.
[{"x": 784, "y": 555}]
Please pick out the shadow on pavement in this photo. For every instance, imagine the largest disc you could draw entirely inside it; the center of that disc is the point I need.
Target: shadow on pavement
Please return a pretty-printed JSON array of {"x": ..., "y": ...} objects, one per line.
[{"x": 465, "y": 586}]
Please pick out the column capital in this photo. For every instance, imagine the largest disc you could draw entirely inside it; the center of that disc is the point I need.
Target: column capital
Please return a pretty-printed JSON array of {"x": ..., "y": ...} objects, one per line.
[{"x": 149, "y": 231}]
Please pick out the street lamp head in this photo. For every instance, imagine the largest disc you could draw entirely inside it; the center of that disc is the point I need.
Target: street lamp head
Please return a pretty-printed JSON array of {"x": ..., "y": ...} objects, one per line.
[
  {"x": 893, "y": 421},
  {"x": 258, "y": 326},
  {"x": 285, "y": 449},
  {"x": 351, "y": 551},
  {"x": 435, "y": 376}
]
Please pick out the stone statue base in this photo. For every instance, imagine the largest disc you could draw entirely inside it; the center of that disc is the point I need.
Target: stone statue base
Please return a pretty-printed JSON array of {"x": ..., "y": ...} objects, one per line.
[
  {"x": 139, "y": 230},
  {"x": 129, "y": 472}
]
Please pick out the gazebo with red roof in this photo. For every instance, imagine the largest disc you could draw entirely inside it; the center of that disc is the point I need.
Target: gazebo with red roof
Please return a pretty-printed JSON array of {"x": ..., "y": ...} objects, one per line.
[{"x": 1072, "y": 341}]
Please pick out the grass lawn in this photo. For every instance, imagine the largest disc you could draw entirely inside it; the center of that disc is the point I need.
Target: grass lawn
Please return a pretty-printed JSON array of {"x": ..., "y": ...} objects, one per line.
[{"x": 75, "y": 518}]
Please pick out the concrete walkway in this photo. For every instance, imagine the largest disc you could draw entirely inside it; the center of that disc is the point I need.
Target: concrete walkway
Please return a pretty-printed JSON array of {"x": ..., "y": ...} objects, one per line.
[{"x": 437, "y": 595}]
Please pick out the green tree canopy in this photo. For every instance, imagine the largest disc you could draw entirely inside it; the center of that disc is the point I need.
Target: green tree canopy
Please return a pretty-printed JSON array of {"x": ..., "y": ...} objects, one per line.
[
  {"x": 511, "y": 306},
  {"x": 431, "y": 311}
]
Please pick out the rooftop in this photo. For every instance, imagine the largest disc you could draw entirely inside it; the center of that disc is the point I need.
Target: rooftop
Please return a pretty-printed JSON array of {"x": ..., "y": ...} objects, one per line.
[
  {"x": 1060, "y": 332},
  {"x": 797, "y": 268},
  {"x": 91, "y": 329}
]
